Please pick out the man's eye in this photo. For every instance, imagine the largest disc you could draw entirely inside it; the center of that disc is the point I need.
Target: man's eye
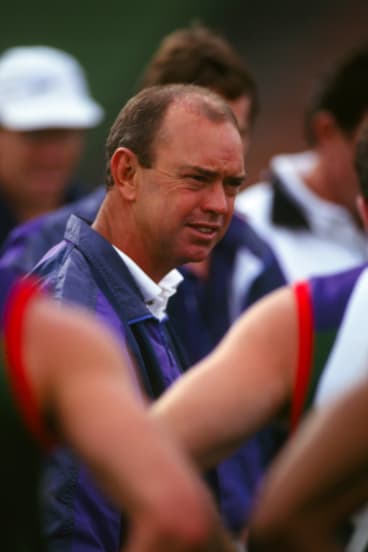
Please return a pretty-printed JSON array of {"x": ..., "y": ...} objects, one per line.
[
  {"x": 232, "y": 187},
  {"x": 236, "y": 184},
  {"x": 199, "y": 177}
]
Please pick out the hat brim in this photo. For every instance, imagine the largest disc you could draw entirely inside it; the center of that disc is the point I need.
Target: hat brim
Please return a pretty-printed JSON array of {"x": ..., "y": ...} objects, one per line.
[{"x": 59, "y": 113}]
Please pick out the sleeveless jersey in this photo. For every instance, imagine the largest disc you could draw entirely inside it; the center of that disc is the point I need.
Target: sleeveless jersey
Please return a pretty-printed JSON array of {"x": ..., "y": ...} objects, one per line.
[
  {"x": 333, "y": 351},
  {"x": 21, "y": 428}
]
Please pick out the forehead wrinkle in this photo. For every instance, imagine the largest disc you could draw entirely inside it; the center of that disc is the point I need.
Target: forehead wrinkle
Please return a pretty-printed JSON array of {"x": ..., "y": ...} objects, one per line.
[
  {"x": 213, "y": 173},
  {"x": 198, "y": 168}
]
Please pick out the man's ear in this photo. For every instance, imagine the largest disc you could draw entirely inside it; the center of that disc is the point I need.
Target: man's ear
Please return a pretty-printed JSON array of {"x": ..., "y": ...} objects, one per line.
[
  {"x": 123, "y": 168},
  {"x": 323, "y": 126},
  {"x": 362, "y": 206}
]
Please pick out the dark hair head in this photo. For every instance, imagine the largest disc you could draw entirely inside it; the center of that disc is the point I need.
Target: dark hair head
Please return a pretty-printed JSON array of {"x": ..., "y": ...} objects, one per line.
[
  {"x": 361, "y": 160},
  {"x": 197, "y": 55},
  {"x": 139, "y": 123},
  {"x": 343, "y": 93}
]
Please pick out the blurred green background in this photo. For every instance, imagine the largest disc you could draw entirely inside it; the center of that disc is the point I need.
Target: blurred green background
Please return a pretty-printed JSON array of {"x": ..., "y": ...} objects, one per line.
[{"x": 286, "y": 44}]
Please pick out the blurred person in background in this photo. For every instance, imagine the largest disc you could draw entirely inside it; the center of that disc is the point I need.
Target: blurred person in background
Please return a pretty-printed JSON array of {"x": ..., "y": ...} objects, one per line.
[
  {"x": 321, "y": 476},
  {"x": 45, "y": 108},
  {"x": 306, "y": 207}
]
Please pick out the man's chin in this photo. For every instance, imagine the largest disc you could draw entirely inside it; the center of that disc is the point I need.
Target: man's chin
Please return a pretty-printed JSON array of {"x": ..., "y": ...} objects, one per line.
[{"x": 199, "y": 255}]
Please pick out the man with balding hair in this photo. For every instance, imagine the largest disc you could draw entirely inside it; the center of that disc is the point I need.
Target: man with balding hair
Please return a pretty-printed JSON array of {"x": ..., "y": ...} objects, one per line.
[{"x": 174, "y": 166}]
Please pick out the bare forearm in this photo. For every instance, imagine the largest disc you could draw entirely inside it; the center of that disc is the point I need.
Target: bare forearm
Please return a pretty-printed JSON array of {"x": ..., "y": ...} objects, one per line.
[{"x": 320, "y": 477}]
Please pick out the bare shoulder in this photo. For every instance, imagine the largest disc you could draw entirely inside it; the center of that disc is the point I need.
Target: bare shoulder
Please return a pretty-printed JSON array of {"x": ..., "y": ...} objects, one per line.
[{"x": 61, "y": 339}]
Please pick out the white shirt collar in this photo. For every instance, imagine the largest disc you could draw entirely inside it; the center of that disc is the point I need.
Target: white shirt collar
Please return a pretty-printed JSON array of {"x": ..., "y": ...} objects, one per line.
[{"x": 155, "y": 295}]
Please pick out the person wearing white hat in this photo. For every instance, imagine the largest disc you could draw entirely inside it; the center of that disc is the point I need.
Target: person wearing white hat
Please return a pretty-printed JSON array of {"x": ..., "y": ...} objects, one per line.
[{"x": 45, "y": 107}]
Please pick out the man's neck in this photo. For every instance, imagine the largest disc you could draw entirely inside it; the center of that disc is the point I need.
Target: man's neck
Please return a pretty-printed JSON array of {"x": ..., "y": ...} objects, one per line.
[
  {"x": 319, "y": 182},
  {"x": 119, "y": 230}
]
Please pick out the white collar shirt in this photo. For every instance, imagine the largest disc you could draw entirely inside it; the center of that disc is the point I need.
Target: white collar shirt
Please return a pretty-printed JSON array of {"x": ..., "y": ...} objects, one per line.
[{"x": 155, "y": 296}]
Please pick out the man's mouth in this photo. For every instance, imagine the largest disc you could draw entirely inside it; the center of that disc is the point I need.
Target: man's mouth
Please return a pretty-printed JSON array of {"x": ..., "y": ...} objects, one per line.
[
  {"x": 205, "y": 229},
  {"x": 209, "y": 231}
]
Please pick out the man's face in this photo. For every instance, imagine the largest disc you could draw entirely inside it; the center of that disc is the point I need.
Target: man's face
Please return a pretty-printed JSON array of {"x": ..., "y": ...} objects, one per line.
[
  {"x": 35, "y": 166},
  {"x": 186, "y": 200}
]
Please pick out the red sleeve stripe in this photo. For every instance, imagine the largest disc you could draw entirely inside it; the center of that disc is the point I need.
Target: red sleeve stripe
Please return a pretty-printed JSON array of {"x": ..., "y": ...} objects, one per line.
[
  {"x": 22, "y": 293},
  {"x": 305, "y": 351}
]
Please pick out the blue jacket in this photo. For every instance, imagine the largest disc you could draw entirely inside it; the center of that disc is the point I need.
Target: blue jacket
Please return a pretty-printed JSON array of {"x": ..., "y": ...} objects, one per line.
[
  {"x": 8, "y": 219},
  {"x": 28, "y": 242},
  {"x": 86, "y": 269}
]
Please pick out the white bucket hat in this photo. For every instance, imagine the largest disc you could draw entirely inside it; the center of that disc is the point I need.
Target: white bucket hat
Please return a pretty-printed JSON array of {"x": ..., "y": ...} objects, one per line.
[{"x": 42, "y": 87}]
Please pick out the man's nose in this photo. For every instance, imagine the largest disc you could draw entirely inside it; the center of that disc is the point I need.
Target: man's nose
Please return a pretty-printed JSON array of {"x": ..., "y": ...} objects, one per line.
[{"x": 215, "y": 199}]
